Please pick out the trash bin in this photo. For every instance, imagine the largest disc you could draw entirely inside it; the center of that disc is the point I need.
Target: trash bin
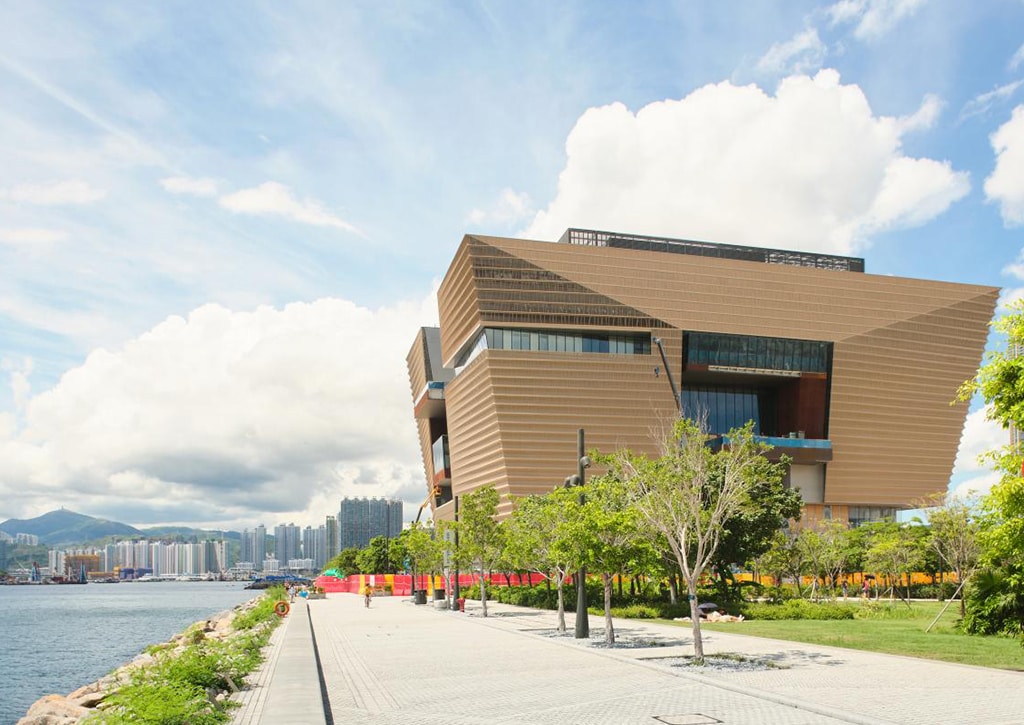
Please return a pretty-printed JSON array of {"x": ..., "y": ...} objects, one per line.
[
  {"x": 438, "y": 594},
  {"x": 421, "y": 596}
]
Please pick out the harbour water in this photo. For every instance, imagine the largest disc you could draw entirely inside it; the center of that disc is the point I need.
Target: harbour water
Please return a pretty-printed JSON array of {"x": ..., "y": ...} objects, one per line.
[{"x": 54, "y": 639}]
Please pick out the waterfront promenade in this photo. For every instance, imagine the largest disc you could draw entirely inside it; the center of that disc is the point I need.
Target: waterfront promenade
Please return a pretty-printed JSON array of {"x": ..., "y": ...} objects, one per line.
[{"x": 400, "y": 663}]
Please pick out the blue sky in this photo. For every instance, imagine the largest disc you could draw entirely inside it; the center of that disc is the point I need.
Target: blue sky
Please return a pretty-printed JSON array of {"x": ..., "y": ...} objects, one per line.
[{"x": 221, "y": 223}]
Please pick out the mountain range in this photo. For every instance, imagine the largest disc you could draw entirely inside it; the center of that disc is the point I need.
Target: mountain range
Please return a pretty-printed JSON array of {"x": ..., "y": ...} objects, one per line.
[{"x": 63, "y": 527}]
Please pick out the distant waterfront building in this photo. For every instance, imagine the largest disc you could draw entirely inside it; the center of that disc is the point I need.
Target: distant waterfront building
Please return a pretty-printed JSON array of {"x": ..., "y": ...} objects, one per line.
[
  {"x": 270, "y": 565},
  {"x": 362, "y": 519}
]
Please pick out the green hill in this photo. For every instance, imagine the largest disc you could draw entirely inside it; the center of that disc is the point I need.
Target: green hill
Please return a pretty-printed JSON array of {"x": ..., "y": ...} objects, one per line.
[{"x": 67, "y": 527}]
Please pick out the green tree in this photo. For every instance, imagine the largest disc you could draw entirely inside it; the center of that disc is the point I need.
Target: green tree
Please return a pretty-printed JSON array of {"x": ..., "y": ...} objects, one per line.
[
  {"x": 997, "y": 603},
  {"x": 382, "y": 556},
  {"x": 480, "y": 535},
  {"x": 540, "y": 538},
  {"x": 424, "y": 549},
  {"x": 691, "y": 491},
  {"x": 609, "y": 537},
  {"x": 954, "y": 535},
  {"x": 825, "y": 550},
  {"x": 345, "y": 563},
  {"x": 750, "y": 532},
  {"x": 896, "y": 551},
  {"x": 783, "y": 558}
]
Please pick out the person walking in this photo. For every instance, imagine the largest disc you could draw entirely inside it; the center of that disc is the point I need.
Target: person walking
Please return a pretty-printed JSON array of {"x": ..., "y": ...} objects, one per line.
[{"x": 367, "y": 594}]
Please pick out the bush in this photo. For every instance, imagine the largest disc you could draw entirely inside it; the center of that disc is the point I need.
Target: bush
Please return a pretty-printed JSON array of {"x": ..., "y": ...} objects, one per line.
[
  {"x": 175, "y": 689},
  {"x": 797, "y": 609}
]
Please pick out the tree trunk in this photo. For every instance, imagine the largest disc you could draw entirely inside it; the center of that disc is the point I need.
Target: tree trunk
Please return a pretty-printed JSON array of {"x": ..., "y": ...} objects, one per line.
[
  {"x": 561, "y": 604},
  {"x": 620, "y": 586},
  {"x": 632, "y": 587},
  {"x": 698, "y": 642},
  {"x": 508, "y": 579},
  {"x": 673, "y": 593},
  {"x": 609, "y": 628},
  {"x": 483, "y": 591}
]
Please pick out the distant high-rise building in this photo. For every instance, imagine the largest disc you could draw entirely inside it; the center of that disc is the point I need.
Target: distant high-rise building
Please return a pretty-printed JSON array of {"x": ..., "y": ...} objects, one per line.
[
  {"x": 254, "y": 545},
  {"x": 288, "y": 543},
  {"x": 362, "y": 519},
  {"x": 332, "y": 544}
]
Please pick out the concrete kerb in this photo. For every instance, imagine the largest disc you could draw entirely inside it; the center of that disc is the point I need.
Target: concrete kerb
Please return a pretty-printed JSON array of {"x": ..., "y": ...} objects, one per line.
[{"x": 811, "y": 707}]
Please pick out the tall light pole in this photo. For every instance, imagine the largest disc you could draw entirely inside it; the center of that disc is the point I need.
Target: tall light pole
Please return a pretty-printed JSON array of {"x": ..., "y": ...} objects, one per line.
[{"x": 582, "y": 616}]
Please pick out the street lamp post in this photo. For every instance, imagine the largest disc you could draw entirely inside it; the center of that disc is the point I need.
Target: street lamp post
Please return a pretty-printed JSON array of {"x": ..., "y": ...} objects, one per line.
[{"x": 582, "y": 616}]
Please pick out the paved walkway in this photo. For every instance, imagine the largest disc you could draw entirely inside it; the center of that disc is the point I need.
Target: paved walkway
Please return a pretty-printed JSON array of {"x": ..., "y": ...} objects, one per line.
[{"x": 401, "y": 663}]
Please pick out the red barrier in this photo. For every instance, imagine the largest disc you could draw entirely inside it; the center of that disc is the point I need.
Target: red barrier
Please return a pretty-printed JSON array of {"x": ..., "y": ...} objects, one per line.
[{"x": 400, "y": 585}]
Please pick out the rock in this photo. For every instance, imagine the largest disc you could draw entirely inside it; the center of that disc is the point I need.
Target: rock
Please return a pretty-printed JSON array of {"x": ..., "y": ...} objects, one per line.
[
  {"x": 53, "y": 710},
  {"x": 89, "y": 696}
]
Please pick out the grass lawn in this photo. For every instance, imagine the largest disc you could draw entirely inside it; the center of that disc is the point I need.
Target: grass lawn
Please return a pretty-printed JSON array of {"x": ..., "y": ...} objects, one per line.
[{"x": 895, "y": 631}]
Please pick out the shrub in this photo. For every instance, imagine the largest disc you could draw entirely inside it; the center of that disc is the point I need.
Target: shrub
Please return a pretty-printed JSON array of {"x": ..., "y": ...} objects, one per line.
[
  {"x": 175, "y": 689},
  {"x": 797, "y": 609}
]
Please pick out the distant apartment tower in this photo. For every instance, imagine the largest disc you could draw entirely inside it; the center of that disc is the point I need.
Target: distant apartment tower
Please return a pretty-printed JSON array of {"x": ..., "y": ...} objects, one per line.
[
  {"x": 287, "y": 543},
  {"x": 254, "y": 545},
  {"x": 362, "y": 519},
  {"x": 332, "y": 543}
]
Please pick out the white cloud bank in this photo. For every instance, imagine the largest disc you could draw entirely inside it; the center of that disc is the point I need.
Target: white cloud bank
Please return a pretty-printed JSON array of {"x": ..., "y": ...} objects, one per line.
[
  {"x": 1006, "y": 183},
  {"x": 809, "y": 168},
  {"x": 226, "y": 418}
]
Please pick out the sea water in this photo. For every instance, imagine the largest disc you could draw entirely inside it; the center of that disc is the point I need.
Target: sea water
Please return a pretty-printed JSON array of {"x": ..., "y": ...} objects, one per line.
[{"x": 56, "y": 638}]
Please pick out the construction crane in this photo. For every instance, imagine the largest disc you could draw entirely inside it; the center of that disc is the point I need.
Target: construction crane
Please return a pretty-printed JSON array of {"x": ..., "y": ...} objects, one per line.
[{"x": 434, "y": 493}]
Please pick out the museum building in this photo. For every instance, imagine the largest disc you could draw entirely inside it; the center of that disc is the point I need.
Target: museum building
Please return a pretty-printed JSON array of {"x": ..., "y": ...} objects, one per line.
[{"x": 849, "y": 374}]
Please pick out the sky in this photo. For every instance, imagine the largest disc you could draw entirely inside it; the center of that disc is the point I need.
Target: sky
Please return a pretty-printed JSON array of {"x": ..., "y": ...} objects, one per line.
[{"x": 221, "y": 224}]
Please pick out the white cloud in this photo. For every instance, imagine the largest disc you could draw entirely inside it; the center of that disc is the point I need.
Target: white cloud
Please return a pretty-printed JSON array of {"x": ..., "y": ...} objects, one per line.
[
  {"x": 228, "y": 414},
  {"x": 19, "y": 371},
  {"x": 809, "y": 168},
  {"x": 979, "y": 436},
  {"x": 510, "y": 207},
  {"x": 31, "y": 237},
  {"x": 189, "y": 185},
  {"x": 981, "y": 104},
  {"x": 1017, "y": 59},
  {"x": 976, "y": 487},
  {"x": 274, "y": 199},
  {"x": 1009, "y": 296},
  {"x": 924, "y": 117},
  {"x": 874, "y": 18},
  {"x": 1006, "y": 183},
  {"x": 802, "y": 53},
  {"x": 58, "y": 193}
]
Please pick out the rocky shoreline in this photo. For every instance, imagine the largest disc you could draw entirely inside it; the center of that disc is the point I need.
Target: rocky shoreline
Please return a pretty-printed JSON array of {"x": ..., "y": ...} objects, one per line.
[{"x": 77, "y": 706}]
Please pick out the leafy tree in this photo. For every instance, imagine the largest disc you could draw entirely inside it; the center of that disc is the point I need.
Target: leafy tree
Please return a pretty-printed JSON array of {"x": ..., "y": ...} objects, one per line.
[
  {"x": 895, "y": 551},
  {"x": 783, "y": 558},
  {"x": 954, "y": 535},
  {"x": 479, "y": 533},
  {"x": 826, "y": 552},
  {"x": 540, "y": 538},
  {"x": 608, "y": 533},
  {"x": 381, "y": 555},
  {"x": 749, "y": 533},
  {"x": 345, "y": 563},
  {"x": 691, "y": 491},
  {"x": 424, "y": 548},
  {"x": 997, "y": 603}
]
